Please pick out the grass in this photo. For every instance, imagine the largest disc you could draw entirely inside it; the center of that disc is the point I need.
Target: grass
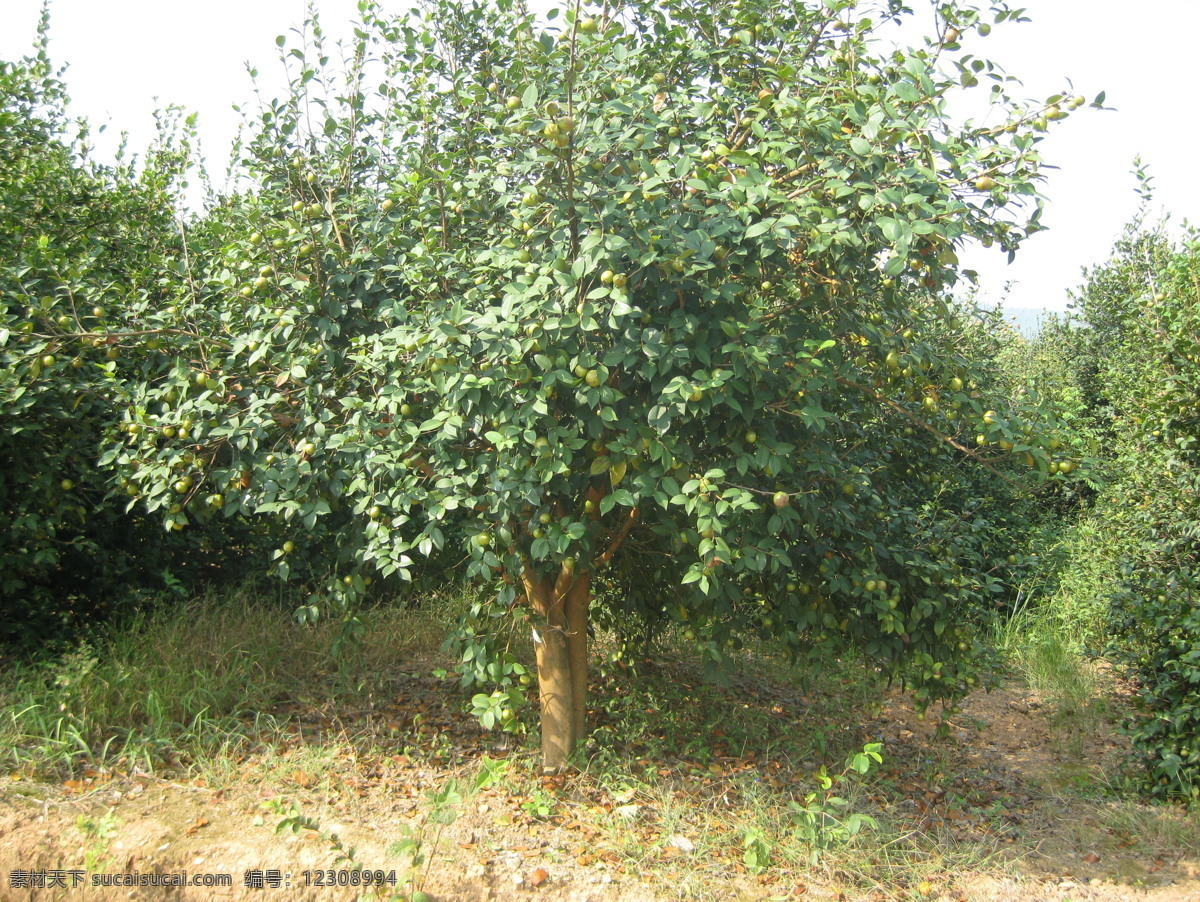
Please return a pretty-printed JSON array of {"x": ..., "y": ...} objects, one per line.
[
  {"x": 189, "y": 685},
  {"x": 1036, "y": 642}
]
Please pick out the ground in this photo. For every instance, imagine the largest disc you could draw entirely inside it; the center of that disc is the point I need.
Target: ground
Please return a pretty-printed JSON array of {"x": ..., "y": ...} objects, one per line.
[{"x": 1011, "y": 799}]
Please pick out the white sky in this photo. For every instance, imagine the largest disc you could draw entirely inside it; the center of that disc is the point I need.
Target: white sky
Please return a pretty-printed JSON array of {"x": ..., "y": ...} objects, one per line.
[{"x": 127, "y": 57}]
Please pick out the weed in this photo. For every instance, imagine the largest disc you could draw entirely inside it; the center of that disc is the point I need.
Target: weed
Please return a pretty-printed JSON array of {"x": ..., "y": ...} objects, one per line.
[
  {"x": 295, "y": 821},
  {"x": 1037, "y": 643},
  {"x": 420, "y": 842},
  {"x": 184, "y": 686},
  {"x": 99, "y": 834}
]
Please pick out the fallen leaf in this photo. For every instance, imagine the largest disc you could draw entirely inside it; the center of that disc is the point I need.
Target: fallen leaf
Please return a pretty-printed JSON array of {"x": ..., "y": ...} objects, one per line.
[
  {"x": 200, "y": 822},
  {"x": 538, "y": 877},
  {"x": 1091, "y": 857}
]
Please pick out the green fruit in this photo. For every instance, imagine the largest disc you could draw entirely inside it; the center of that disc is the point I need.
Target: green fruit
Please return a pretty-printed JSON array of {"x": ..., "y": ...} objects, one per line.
[
  {"x": 781, "y": 499},
  {"x": 593, "y": 378},
  {"x": 289, "y": 547},
  {"x": 484, "y": 539},
  {"x": 588, "y": 26}
]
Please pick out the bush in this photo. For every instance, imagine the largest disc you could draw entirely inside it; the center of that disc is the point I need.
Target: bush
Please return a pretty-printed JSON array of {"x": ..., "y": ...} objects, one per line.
[
  {"x": 1134, "y": 557},
  {"x": 84, "y": 250}
]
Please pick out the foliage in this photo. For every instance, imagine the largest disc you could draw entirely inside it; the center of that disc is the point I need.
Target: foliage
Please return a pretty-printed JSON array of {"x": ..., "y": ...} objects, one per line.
[
  {"x": 642, "y": 311},
  {"x": 821, "y": 820},
  {"x": 1134, "y": 558},
  {"x": 85, "y": 251},
  {"x": 176, "y": 686}
]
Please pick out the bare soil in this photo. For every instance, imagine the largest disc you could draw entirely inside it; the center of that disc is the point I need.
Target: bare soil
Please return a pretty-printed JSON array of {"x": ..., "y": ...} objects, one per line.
[{"x": 1009, "y": 779}]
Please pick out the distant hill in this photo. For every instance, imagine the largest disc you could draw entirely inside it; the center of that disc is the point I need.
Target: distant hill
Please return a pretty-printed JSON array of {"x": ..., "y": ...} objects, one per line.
[{"x": 1028, "y": 320}]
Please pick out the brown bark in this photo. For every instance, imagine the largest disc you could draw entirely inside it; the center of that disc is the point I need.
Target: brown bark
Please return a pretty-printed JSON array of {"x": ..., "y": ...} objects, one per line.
[
  {"x": 561, "y": 646},
  {"x": 577, "y": 600}
]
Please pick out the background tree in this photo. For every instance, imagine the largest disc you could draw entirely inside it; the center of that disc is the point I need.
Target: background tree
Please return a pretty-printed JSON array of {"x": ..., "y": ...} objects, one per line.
[
  {"x": 84, "y": 250},
  {"x": 652, "y": 296},
  {"x": 1128, "y": 585}
]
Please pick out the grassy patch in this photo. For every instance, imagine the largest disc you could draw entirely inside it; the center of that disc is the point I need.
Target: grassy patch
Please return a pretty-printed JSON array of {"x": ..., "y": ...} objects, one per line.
[
  {"x": 1049, "y": 660},
  {"x": 193, "y": 685}
]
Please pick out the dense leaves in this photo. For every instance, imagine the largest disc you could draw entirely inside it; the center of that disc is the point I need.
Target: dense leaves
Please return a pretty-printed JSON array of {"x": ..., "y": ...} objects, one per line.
[
  {"x": 1135, "y": 565},
  {"x": 83, "y": 250}
]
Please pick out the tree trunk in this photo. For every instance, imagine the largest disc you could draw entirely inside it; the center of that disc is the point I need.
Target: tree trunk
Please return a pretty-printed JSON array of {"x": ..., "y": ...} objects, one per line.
[{"x": 561, "y": 644}]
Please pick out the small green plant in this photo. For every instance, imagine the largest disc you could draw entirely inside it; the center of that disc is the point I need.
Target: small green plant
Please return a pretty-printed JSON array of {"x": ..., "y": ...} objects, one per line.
[
  {"x": 419, "y": 843},
  {"x": 539, "y": 805},
  {"x": 821, "y": 820},
  {"x": 295, "y": 821},
  {"x": 491, "y": 772},
  {"x": 757, "y": 854},
  {"x": 99, "y": 833}
]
